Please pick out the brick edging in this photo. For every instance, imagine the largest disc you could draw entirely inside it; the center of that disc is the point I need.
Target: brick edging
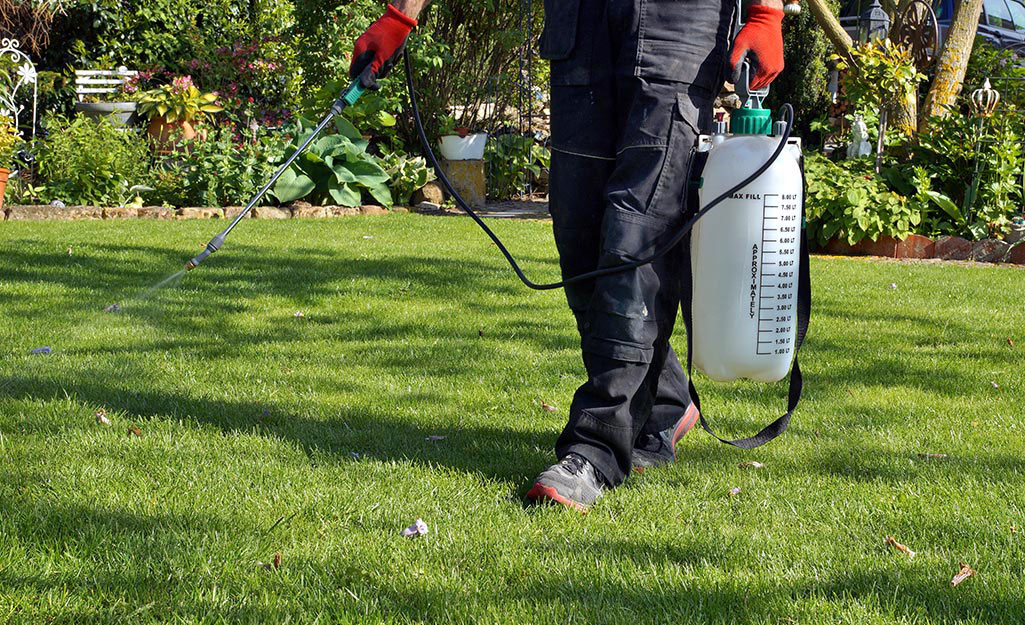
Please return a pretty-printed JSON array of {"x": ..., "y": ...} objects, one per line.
[
  {"x": 299, "y": 210},
  {"x": 919, "y": 247}
]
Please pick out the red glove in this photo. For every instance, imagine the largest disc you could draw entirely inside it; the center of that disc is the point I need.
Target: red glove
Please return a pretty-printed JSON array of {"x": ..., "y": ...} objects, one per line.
[
  {"x": 762, "y": 37},
  {"x": 377, "y": 50}
]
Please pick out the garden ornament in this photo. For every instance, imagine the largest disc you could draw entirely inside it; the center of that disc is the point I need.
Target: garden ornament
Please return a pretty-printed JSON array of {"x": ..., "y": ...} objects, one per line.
[
  {"x": 985, "y": 99},
  {"x": 860, "y": 145}
]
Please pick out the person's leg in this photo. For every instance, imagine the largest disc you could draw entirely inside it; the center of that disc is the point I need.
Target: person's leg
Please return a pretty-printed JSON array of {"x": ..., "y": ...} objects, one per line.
[
  {"x": 664, "y": 92},
  {"x": 624, "y": 319}
]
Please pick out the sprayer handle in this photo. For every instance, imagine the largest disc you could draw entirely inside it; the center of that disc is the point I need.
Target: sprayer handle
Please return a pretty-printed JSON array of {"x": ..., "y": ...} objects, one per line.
[{"x": 350, "y": 95}]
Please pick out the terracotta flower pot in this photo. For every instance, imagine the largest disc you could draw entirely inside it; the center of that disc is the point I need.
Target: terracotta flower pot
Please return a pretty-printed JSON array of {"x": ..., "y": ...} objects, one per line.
[
  {"x": 4, "y": 173},
  {"x": 166, "y": 134}
]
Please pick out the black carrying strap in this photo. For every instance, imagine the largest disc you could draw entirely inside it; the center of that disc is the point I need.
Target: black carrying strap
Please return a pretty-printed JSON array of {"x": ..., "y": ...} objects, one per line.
[{"x": 778, "y": 426}]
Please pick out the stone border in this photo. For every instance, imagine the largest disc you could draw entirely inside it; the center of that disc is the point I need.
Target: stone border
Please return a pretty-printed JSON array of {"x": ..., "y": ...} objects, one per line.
[
  {"x": 298, "y": 210},
  {"x": 919, "y": 247}
]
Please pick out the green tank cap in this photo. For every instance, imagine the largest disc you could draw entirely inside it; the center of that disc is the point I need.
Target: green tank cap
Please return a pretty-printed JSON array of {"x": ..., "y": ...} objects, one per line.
[{"x": 751, "y": 122}]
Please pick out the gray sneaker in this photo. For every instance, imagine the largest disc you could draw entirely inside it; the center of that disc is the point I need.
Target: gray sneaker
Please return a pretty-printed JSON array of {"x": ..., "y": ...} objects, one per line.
[
  {"x": 572, "y": 482},
  {"x": 654, "y": 450}
]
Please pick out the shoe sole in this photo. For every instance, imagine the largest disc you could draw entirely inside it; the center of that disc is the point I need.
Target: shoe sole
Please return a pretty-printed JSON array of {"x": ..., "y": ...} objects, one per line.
[
  {"x": 690, "y": 417},
  {"x": 539, "y": 493}
]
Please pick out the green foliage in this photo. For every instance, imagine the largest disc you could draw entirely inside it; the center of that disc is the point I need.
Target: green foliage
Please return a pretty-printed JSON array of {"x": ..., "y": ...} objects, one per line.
[
  {"x": 473, "y": 55},
  {"x": 882, "y": 72},
  {"x": 509, "y": 159},
  {"x": 197, "y": 37},
  {"x": 804, "y": 81},
  {"x": 947, "y": 153},
  {"x": 178, "y": 100},
  {"x": 380, "y": 115},
  {"x": 92, "y": 161},
  {"x": 1003, "y": 67},
  {"x": 335, "y": 169},
  {"x": 852, "y": 203},
  {"x": 406, "y": 175},
  {"x": 323, "y": 32},
  {"x": 225, "y": 169},
  {"x": 9, "y": 141}
]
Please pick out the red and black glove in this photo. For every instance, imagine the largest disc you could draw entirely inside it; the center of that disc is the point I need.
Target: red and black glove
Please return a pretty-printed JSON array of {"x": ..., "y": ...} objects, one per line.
[
  {"x": 762, "y": 38},
  {"x": 378, "y": 49}
]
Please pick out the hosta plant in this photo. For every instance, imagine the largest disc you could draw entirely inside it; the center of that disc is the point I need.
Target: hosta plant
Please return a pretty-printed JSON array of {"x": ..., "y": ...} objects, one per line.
[
  {"x": 179, "y": 100},
  {"x": 334, "y": 169}
]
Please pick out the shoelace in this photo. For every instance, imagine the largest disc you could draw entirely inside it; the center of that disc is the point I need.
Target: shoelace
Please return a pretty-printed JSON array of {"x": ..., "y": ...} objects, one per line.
[{"x": 574, "y": 463}]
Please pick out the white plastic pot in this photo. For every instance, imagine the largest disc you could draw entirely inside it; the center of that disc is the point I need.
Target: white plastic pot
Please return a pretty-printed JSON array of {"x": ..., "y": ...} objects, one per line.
[{"x": 468, "y": 148}]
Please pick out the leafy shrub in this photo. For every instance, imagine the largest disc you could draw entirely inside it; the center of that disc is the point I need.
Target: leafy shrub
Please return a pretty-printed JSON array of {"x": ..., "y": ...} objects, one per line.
[
  {"x": 852, "y": 202},
  {"x": 225, "y": 169},
  {"x": 92, "y": 161},
  {"x": 9, "y": 140},
  {"x": 509, "y": 159},
  {"x": 336, "y": 168}
]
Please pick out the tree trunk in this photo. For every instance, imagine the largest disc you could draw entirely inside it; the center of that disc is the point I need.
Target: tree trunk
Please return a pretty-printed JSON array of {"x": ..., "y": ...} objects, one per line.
[
  {"x": 953, "y": 61},
  {"x": 837, "y": 36},
  {"x": 904, "y": 111}
]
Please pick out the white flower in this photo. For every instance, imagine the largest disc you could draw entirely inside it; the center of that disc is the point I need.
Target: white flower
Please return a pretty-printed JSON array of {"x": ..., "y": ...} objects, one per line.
[{"x": 27, "y": 72}]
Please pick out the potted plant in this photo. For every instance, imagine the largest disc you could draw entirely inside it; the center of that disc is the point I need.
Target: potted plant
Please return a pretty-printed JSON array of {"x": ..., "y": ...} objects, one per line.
[
  {"x": 9, "y": 140},
  {"x": 118, "y": 104},
  {"x": 173, "y": 107},
  {"x": 459, "y": 144}
]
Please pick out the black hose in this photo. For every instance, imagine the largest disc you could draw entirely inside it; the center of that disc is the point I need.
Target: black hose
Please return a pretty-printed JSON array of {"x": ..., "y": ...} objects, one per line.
[{"x": 786, "y": 110}]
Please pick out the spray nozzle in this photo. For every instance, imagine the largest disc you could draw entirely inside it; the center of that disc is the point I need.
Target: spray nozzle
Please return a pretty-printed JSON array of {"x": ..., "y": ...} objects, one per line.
[{"x": 211, "y": 247}]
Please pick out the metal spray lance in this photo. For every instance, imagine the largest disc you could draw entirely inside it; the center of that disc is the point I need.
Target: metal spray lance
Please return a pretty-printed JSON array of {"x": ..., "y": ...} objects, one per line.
[{"x": 346, "y": 99}]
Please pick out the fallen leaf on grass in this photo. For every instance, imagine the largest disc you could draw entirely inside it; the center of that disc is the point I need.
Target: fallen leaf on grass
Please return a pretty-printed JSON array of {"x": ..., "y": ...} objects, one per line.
[
  {"x": 975, "y": 424},
  {"x": 42, "y": 351},
  {"x": 1010, "y": 342},
  {"x": 965, "y": 572},
  {"x": 101, "y": 417},
  {"x": 112, "y": 308},
  {"x": 299, "y": 314},
  {"x": 548, "y": 407},
  {"x": 734, "y": 492},
  {"x": 933, "y": 456},
  {"x": 416, "y": 529},
  {"x": 1014, "y": 529},
  {"x": 273, "y": 565},
  {"x": 892, "y": 542},
  {"x": 134, "y": 431},
  {"x": 436, "y": 437},
  {"x": 751, "y": 464}
]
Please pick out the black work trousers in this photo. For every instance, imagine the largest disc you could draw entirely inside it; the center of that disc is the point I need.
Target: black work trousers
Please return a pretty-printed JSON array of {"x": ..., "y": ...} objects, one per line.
[{"x": 632, "y": 85}]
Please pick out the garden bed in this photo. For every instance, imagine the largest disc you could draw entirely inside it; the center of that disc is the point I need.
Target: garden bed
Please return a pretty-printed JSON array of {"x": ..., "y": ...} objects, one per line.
[{"x": 919, "y": 247}]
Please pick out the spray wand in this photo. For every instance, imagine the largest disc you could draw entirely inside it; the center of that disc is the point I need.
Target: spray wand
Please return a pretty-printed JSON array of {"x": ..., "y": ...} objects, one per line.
[{"x": 346, "y": 99}]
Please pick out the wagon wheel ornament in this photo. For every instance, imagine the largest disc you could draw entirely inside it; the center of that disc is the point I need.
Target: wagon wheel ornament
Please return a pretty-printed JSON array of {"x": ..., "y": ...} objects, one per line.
[{"x": 919, "y": 32}]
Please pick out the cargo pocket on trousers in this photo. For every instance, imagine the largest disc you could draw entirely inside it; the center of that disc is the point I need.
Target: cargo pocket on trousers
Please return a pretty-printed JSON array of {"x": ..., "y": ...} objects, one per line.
[
  {"x": 566, "y": 42},
  {"x": 667, "y": 200}
]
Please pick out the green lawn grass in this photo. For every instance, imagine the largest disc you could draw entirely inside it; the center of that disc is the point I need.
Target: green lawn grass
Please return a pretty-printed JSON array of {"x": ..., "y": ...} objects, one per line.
[{"x": 262, "y": 432}]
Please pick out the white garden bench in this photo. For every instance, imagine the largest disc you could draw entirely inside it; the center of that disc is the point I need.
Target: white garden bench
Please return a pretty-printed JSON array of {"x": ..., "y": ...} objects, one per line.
[{"x": 93, "y": 81}]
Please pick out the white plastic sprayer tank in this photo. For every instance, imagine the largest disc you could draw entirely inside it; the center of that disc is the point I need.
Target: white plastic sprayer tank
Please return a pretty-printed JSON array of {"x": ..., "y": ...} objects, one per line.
[{"x": 745, "y": 254}]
